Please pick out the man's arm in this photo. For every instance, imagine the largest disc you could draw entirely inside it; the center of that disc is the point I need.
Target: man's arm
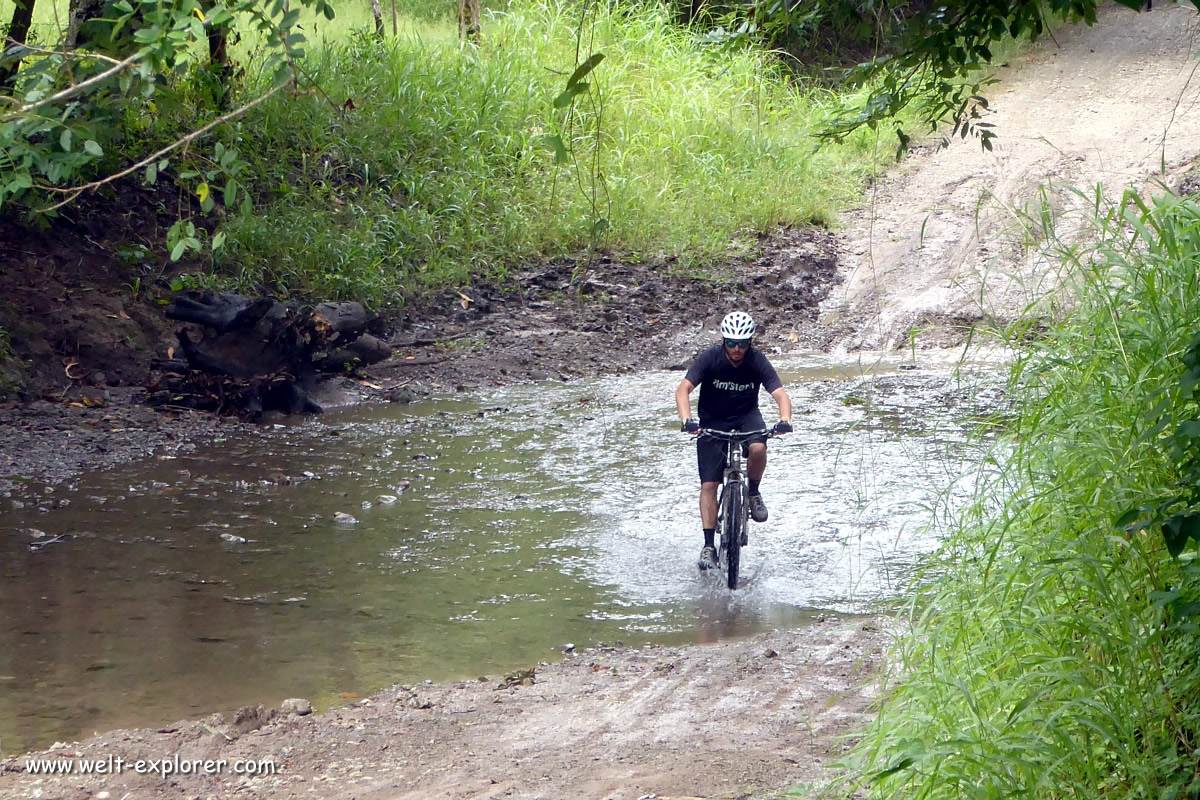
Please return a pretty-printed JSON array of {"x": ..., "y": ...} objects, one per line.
[
  {"x": 784, "y": 402},
  {"x": 683, "y": 399}
]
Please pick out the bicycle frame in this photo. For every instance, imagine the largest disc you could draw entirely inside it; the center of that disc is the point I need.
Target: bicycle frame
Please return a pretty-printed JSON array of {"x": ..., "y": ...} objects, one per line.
[{"x": 733, "y": 498}]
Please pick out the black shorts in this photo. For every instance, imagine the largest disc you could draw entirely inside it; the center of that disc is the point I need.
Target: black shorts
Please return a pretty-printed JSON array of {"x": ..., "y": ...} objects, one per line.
[{"x": 710, "y": 453}]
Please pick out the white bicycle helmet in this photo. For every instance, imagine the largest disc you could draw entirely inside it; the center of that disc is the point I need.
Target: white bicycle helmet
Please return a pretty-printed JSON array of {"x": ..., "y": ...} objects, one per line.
[{"x": 738, "y": 325}]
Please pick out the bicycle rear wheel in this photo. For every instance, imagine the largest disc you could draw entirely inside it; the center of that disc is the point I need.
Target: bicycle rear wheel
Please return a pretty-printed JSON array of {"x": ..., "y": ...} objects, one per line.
[{"x": 731, "y": 531}]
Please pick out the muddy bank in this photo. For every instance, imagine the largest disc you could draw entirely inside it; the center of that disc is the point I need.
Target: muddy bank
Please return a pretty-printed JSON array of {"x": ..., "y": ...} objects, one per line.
[
  {"x": 89, "y": 349},
  {"x": 747, "y": 719}
]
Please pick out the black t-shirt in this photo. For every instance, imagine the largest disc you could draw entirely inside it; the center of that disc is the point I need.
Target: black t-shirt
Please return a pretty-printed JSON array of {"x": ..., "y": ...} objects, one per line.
[{"x": 728, "y": 393}]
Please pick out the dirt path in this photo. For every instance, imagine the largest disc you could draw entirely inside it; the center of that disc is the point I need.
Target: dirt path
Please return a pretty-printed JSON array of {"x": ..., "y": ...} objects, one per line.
[
  {"x": 736, "y": 719},
  {"x": 938, "y": 243}
]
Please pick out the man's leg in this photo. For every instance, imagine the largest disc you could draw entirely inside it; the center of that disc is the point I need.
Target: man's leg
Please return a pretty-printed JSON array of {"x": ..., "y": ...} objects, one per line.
[
  {"x": 708, "y": 518},
  {"x": 710, "y": 458},
  {"x": 756, "y": 465},
  {"x": 708, "y": 507}
]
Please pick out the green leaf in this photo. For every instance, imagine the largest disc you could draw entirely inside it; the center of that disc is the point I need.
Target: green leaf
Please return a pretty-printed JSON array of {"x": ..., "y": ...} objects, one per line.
[
  {"x": 903, "y": 763},
  {"x": 1025, "y": 703},
  {"x": 1178, "y": 529},
  {"x": 555, "y": 143},
  {"x": 1127, "y": 517},
  {"x": 151, "y": 173},
  {"x": 177, "y": 250},
  {"x": 583, "y": 69},
  {"x": 93, "y": 147},
  {"x": 218, "y": 240},
  {"x": 149, "y": 35},
  {"x": 64, "y": 140},
  {"x": 569, "y": 94},
  {"x": 1161, "y": 599}
]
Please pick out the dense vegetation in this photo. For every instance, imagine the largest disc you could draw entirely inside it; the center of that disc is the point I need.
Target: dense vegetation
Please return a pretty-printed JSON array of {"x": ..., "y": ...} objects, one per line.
[
  {"x": 1053, "y": 653},
  {"x": 373, "y": 166},
  {"x": 444, "y": 168},
  {"x": 330, "y": 153}
]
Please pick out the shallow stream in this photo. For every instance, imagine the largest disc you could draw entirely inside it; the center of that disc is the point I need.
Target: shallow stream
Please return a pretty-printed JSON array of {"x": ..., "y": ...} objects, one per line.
[{"x": 526, "y": 518}]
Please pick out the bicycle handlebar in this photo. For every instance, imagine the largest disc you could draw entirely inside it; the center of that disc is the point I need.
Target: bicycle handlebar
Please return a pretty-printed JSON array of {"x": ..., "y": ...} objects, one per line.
[{"x": 736, "y": 436}]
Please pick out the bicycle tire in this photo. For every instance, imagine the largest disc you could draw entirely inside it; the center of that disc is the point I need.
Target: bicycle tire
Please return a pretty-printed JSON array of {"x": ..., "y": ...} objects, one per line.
[{"x": 731, "y": 535}]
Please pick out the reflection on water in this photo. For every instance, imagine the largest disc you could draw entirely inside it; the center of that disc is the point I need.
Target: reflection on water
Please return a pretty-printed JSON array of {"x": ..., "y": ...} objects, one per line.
[{"x": 524, "y": 518}]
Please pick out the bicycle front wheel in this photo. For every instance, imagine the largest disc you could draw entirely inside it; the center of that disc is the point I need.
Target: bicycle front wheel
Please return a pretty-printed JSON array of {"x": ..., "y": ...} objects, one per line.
[{"x": 731, "y": 532}]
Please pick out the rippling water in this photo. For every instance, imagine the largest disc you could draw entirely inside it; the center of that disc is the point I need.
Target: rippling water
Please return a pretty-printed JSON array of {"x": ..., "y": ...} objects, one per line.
[{"x": 525, "y": 518}]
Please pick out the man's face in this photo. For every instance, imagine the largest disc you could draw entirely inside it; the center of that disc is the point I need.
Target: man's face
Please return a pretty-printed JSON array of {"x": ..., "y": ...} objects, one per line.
[{"x": 735, "y": 350}]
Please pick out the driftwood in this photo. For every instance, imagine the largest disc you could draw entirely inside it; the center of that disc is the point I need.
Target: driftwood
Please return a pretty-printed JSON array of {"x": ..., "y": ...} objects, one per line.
[
  {"x": 366, "y": 349},
  {"x": 259, "y": 354}
]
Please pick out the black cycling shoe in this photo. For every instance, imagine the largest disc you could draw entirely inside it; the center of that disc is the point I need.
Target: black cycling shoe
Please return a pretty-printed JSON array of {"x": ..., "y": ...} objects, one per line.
[
  {"x": 708, "y": 558},
  {"x": 758, "y": 509}
]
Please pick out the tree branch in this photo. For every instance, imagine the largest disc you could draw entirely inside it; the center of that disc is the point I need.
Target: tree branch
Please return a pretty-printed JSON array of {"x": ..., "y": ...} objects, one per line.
[
  {"x": 75, "y": 191},
  {"x": 71, "y": 90},
  {"x": 77, "y": 54}
]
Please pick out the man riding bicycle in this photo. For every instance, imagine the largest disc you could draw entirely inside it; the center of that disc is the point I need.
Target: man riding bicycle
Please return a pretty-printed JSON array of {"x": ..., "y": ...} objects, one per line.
[{"x": 729, "y": 375}]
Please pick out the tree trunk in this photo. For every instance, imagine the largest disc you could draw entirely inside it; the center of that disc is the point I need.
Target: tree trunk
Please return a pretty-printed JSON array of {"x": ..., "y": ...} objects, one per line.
[
  {"x": 18, "y": 32},
  {"x": 218, "y": 59},
  {"x": 378, "y": 12},
  {"x": 468, "y": 20},
  {"x": 81, "y": 12}
]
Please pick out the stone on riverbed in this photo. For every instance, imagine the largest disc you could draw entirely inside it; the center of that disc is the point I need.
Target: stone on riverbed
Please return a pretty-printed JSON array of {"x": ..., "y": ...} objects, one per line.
[{"x": 296, "y": 705}]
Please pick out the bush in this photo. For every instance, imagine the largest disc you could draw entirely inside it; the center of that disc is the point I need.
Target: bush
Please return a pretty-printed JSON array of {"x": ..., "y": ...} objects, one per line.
[{"x": 1054, "y": 653}]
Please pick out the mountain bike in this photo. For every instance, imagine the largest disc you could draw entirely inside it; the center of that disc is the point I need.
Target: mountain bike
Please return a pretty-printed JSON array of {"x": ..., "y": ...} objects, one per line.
[{"x": 733, "y": 497}]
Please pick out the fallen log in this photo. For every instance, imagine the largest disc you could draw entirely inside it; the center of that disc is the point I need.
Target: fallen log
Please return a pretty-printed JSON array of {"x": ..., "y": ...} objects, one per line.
[
  {"x": 225, "y": 312},
  {"x": 261, "y": 354},
  {"x": 364, "y": 350}
]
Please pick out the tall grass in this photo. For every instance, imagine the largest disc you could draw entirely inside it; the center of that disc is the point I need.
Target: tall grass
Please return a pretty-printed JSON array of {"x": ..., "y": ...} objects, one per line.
[
  {"x": 50, "y": 18},
  {"x": 1042, "y": 662},
  {"x": 441, "y": 171}
]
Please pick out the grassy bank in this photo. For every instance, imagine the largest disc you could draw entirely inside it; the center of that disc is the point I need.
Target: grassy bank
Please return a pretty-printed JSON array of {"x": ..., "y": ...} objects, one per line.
[
  {"x": 1054, "y": 654},
  {"x": 441, "y": 168}
]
